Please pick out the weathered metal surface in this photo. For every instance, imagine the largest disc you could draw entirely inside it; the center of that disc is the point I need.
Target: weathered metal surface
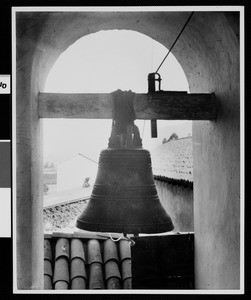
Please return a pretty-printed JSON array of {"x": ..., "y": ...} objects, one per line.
[{"x": 125, "y": 193}]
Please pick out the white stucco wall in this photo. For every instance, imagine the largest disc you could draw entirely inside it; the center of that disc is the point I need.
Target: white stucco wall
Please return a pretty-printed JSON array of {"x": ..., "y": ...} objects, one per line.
[{"x": 178, "y": 203}]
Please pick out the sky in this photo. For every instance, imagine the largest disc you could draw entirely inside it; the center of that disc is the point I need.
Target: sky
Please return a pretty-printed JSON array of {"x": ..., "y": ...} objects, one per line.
[{"x": 102, "y": 63}]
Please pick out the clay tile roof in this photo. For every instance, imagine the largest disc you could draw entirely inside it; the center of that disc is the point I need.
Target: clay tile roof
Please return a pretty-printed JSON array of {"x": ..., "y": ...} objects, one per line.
[
  {"x": 61, "y": 285},
  {"x": 61, "y": 272},
  {"x": 110, "y": 251},
  {"x": 112, "y": 270},
  {"x": 96, "y": 277},
  {"x": 47, "y": 282},
  {"x": 94, "y": 252},
  {"x": 62, "y": 248},
  {"x": 113, "y": 283},
  {"x": 47, "y": 250},
  {"x": 48, "y": 267},
  {"x": 126, "y": 269},
  {"x": 78, "y": 283},
  {"x": 124, "y": 249},
  {"x": 77, "y": 249},
  {"x": 127, "y": 284},
  {"x": 174, "y": 160},
  {"x": 86, "y": 263},
  {"x": 78, "y": 268}
]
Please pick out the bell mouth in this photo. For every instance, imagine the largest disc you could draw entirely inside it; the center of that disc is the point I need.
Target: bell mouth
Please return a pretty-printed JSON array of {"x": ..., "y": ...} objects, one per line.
[{"x": 126, "y": 229}]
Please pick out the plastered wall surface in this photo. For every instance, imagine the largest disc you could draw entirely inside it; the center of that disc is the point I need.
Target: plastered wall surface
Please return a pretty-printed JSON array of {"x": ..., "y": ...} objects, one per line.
[
  {"x": 208, "y": 51},
  {"x": 178, "y": 203}
]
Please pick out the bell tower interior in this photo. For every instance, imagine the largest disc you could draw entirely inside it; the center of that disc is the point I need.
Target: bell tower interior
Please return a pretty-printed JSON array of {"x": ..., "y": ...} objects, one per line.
[{"x": 209, "y": 53}]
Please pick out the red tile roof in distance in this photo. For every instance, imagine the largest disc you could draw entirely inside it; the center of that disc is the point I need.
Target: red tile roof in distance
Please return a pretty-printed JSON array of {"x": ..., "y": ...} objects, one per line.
[
  {"x": 86, "y": 263},
  {"x": 174, "y": 159}
]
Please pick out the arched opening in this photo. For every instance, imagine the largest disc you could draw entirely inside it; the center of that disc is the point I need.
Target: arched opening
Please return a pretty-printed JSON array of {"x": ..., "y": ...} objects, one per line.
[
  {"x": 103, "y": 62},
  {"x": 209, "y": 54}
]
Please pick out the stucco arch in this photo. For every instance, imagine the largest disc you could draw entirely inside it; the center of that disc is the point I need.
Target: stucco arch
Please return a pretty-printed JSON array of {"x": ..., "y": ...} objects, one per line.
[{"x": 208, "y": 52}]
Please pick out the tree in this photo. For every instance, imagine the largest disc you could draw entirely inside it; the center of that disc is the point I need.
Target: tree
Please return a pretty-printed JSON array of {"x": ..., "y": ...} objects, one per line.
[{"x": 164, "y": 140}]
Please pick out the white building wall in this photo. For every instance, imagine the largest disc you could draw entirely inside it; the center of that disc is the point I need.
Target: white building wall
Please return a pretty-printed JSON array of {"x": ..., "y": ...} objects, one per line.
[{"x": 72, "y": 172}]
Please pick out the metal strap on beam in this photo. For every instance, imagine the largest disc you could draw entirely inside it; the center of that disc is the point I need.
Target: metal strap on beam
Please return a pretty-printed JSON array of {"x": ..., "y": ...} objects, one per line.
[{"x": 159, "y": 105}]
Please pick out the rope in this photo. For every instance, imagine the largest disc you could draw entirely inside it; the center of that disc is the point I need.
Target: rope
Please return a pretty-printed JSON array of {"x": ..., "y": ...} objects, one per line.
[
  {"x": 123, "y": 109},
  {"x": 175, "y": 41},
  {"x": 116, "y": 240},
  {"x": 122, "y": 236}
]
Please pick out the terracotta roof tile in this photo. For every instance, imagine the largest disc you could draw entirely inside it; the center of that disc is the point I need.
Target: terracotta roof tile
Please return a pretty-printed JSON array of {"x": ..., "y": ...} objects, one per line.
[
  {"x": 124, "y": 249},
  {"x": 61, "y": 285},
  {"x": 112, "y": 270},
  {"x": 77, "y": 249},
  {"x": 94, "y": 252},
  {"x": 113, "y": 283},
  {"x": 78, "y": 283},
  {"x": 96, "y": 276},
  {"x": 174, "y": 159},
  {"x": 62, "y": 215},
  {"x": 47, "y": 250},
  {"x": 110, "y": 251},
  {"x": 48, "y": 267},
  {"x": 72, "y": 271},
  {"x": 127, "y": 284},
  {"x": 126, "y": 268},
  {"x": 62, "y": 248},
  {"x": 78, "y": 268},
  {"x": 61, "y": 270},
  {"x": 47, "y": 282}
]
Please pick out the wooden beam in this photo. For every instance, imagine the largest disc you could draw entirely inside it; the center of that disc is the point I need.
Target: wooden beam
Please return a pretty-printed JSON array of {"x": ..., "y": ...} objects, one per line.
[{"x": 158, "y": 105}]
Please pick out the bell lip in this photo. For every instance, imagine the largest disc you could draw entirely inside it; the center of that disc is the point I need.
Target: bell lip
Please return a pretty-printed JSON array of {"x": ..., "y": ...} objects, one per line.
[
  {"x": 125, "y": 149},
  {"x": 128, "y": 229}
]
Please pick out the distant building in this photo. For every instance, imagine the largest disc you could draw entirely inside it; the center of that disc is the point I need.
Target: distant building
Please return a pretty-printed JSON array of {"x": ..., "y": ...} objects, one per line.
[
  {"x": 72, "y": 172},
  {"x": 49, "y": 179},
  {"x": 172, "y": 164}
]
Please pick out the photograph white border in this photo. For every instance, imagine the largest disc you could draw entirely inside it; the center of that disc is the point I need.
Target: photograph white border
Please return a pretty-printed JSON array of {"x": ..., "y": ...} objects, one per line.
[{"x": 242, "y": 195}]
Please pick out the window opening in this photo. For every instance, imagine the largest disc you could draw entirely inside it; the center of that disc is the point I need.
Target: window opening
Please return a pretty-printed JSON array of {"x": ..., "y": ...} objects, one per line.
[{"x": 100, "y": 63}]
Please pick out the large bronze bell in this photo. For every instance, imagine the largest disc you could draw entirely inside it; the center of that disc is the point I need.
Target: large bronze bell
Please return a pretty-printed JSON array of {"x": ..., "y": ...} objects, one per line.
[{"x": 124, "y": 198}]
